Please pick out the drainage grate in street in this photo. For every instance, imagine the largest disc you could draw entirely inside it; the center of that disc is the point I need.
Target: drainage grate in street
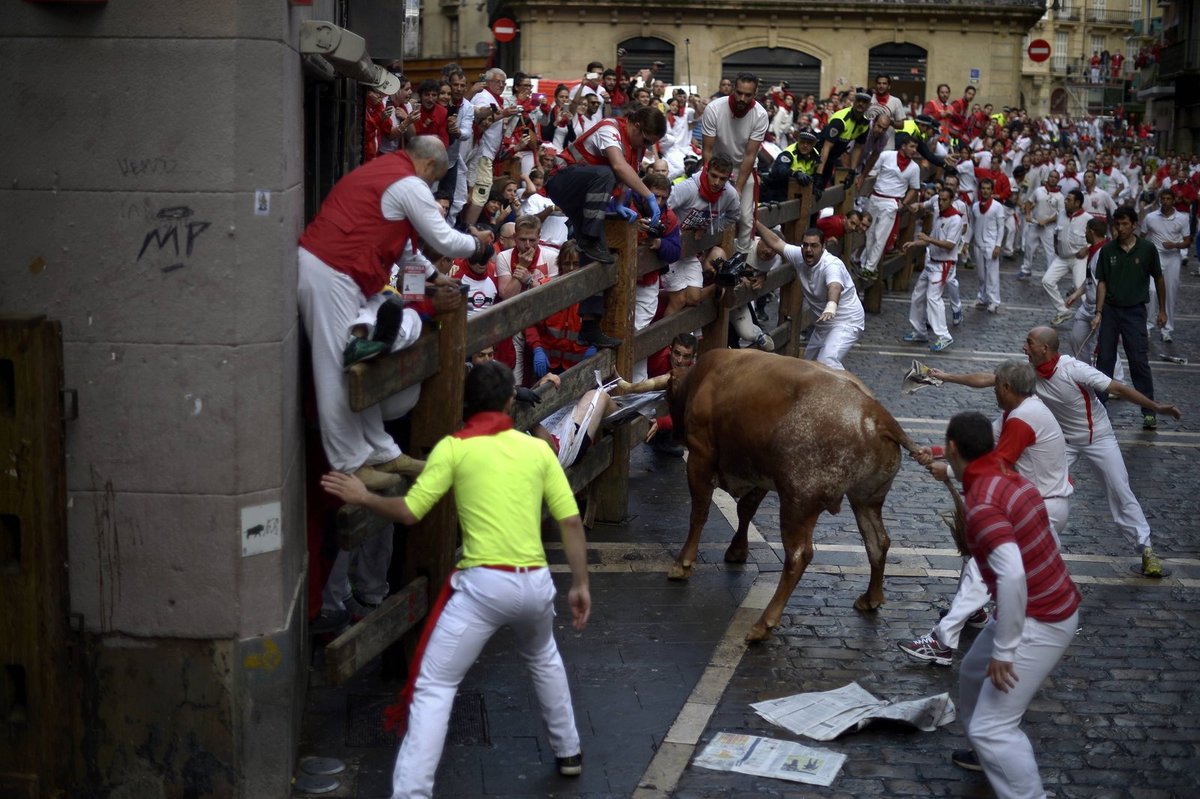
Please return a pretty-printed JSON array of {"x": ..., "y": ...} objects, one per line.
[
  {"x": 468, "y": 721},
  {"x": 364, "y": 721}
]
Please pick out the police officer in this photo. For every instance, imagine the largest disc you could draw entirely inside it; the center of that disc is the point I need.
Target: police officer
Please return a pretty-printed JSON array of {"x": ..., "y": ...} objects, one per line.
[
  {"x": 845, "y": 129},
  {"x": 921, "y": 130},
  {"x": 798, "y": 161}
]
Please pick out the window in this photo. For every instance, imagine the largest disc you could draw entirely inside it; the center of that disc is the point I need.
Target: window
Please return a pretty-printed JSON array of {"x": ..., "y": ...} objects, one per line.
[
  {"x": 1060, "y": 51},
  {"x": 1098, "y": 10},
  {"x": 1135, "y": 11},
  {"x": 1098, "y": 45}
]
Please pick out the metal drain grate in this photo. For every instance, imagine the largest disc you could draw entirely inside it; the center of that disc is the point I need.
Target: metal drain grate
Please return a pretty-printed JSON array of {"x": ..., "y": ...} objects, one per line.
[
  {"x": 468, "y": 721},
  {"x": 364, "y": 721}
]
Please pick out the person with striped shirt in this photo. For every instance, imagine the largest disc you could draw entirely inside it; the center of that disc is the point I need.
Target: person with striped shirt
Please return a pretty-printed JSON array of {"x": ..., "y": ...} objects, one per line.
[{"x": 1037, "y": 609}]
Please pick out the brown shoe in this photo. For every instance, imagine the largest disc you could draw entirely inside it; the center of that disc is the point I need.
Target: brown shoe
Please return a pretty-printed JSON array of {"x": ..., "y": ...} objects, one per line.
[
  {"x": 401, "y": 464},
  {"x": 377, "y": 481}
]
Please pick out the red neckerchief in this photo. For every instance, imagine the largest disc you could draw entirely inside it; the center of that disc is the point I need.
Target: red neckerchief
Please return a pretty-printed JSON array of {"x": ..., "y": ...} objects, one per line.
[
  {"x": 733, "y": 108},
  {"x": 671, "y": 118},
  {"x": 1093, "y": 247},
  {"x": 1106, "y": 170},
  {"x": 882, "y": 99},
  {"x": 1046, "y": 370},
  {"x": 707, "y": 194},
  {"x": 1070, "y": 175},
  {"x": 902, "y": 161},
  {"x": 485, "y": 423},
  {"x": 949, "y": 212},
  {"x": 499, "y": 100},
  {"x": 984, "y": 466},
  {"x": 1054, "y": 190},
  {"x": 537, "y": 259},
  {"x": 1077, "y": 213},
  {"x": 983, "y": 209}
]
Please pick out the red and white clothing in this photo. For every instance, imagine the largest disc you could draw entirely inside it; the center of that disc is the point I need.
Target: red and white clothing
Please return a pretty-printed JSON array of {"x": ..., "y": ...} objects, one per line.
[
  {"x": 676, "y": 143},
  {"x": 1098, "y": 202},
  {"x": 928, "y": 305},
  {"x": 1069, "y": 239},
  {"x": 987, "y": 234},
  {"x": 545, "y": 263},
  {"x": 896, "y": 175},
  {"x": 1069, "y": 387},
  {"x": 1160, "y": 229},
  {"x": 1037, "y": 605},
  {"x": 698, "y": 209},
  {"x": 1046, "y": 207},
  {"x": 732, "y": 134},
  {"x": 829, "y": 341},
  {"x": 482, "y": 291}
]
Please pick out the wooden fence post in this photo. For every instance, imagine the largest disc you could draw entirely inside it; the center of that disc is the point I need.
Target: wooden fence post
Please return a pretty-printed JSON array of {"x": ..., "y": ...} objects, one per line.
[{"x": 619, "y": 301}]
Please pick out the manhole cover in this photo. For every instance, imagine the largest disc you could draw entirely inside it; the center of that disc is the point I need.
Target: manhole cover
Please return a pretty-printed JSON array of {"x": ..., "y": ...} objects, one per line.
[
  {"x": 314, "y": 784},
  {"x": 321, "y": 766}
]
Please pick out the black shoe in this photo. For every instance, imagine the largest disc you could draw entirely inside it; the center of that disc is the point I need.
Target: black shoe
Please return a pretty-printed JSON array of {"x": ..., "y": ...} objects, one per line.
[
  {"x": 329, "y": 621},
  {"x": 591, "y": 335},
  {"x": 570, "y": 766},
  {"x": 966, "y": 758},
  {"x": 594, "y": 250},
  {"x": 387, "y": 322}
]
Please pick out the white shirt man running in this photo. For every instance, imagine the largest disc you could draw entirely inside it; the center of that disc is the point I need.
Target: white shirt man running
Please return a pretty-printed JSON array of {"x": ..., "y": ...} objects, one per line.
[{"x": 829, "y": 294}]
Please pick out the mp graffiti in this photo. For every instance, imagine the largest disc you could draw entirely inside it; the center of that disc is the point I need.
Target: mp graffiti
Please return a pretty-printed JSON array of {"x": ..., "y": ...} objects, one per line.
[{"x": 171, "y": 225}]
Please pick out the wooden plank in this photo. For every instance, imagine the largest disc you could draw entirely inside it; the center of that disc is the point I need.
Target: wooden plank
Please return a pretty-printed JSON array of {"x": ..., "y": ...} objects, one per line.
[
  {"x": 612, "y": 485},
  {"x": 593, "y": 463},
  {"x": 832, "y": 197},
  {"x": 654, "y": 337},
  {"x": 513, "y": 315},
  {"x": 576, "y": 382},
  {"x": 690, "y": 244},
  {"x": 42, "y": 678},
  {"x": 620, "y": 299},
  {"x": 648, "y": 261},
  {"x": 773, "y": 214},
  {"x": 375, "y": 381},
  {"x": 356, "y": 647},
  {"x": 355, "y": 524},
  {"x": 743, "y": 294}
]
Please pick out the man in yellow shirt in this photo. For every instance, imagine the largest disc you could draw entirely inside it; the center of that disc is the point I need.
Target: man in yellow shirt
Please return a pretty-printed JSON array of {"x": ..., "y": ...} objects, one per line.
[{"x": 502, "y": 578}]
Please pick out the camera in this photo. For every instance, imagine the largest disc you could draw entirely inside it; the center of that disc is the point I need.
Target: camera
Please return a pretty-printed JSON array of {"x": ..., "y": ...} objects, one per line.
[
  {"x": 731, "y": 270},
  {"x": 656, "y": 230}
]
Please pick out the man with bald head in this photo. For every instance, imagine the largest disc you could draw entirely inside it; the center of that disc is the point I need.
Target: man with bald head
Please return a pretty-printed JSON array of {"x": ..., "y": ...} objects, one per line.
[{"x": 1068, "y": 388}]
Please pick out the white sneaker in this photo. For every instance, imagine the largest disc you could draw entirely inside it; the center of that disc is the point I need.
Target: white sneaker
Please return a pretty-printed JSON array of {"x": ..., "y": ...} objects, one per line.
[
  {"x": 993, "y": 307},
  {"x": 765, "y": 343},
  {"x": 1166, "y": 337}
]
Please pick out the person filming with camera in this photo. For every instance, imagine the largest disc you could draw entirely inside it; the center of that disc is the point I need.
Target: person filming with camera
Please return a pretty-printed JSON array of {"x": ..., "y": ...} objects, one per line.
[{"x": 829, "y": 295}]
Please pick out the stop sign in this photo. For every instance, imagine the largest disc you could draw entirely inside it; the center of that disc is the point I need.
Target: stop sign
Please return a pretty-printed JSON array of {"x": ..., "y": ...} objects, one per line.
[
  {"x": 1039, "y": 50},
  {"x": 505, "y": 30}
]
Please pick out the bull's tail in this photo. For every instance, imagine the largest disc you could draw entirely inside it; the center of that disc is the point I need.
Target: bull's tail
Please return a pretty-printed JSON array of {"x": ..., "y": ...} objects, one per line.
[{"x": 957, "y": 524}]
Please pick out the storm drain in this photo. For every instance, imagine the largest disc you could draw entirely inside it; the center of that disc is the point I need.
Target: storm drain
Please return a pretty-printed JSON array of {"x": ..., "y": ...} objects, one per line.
[
  {"x": 364, "y": 721},
  {"x": 468, "y": 721}
]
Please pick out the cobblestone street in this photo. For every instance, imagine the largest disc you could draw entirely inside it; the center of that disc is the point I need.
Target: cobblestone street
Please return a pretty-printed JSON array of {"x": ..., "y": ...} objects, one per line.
[{"x": 662, "y": 666}]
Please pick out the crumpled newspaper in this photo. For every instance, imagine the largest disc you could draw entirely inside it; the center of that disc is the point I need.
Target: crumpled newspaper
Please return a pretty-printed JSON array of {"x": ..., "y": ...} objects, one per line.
[{"x": 918, "y": 377}]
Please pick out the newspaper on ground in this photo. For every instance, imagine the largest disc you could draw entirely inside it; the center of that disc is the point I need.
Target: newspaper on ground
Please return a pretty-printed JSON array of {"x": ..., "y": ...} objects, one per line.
[
  {"x": 824, "y": 715},
  {"x": 918, "y": 377},
  {"x": 770, "y": 757}
]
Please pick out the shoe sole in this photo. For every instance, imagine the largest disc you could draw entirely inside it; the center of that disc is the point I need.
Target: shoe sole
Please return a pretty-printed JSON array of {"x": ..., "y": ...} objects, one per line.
[
  {"x": 966, "y": 766},
  {"x": 936, "y": 660}
]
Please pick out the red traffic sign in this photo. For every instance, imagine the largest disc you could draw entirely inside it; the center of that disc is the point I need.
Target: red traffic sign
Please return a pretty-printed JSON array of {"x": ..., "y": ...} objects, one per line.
[
  {"x": 505, "y": 30},
  {"x": 1039, "y": 50}
]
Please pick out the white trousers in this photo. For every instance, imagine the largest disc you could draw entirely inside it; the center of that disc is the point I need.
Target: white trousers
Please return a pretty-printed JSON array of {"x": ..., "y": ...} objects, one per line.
[
  {"x": 1039, "y": 239},
  {"x": 992, "y": 718},
  {"x": 1170, "y": 270},
  {"x": 329, "y": 303},
  {"x": 1011, "y": 231},
  {"x": 1109, "y": 465},
  {"x": 927, "y": 304},
  {"x": 883, "y": 216},
  {"x": 745, "y": 228},
  {"x": 972, "y": 591},
  {"x": 743, "y": 323},
  {"x": 988, "y": 270},
  {"x": 1059, "y": 268},
  {"x": 829, "y": 342},
  {"x": 484, "y": 600},
  {"x": 645, "y": 305}
]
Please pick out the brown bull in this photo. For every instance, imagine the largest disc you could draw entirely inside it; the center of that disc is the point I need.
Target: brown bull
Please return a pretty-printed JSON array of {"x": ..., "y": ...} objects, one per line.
[{"x": 756, "y": 422}]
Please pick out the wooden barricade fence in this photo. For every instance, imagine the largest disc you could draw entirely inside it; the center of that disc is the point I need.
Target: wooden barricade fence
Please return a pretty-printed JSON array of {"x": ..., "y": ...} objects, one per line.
[{"x": 438, "y": 362}]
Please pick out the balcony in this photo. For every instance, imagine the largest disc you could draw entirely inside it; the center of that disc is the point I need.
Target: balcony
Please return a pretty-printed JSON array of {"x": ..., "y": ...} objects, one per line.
[
  {"x": 1175, "y": 61},
  {"x": 1116, "y": 17}
]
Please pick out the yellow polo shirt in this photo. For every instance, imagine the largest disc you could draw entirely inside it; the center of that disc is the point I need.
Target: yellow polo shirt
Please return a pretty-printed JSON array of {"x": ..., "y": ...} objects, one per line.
[{"x": 499, "y": 482}]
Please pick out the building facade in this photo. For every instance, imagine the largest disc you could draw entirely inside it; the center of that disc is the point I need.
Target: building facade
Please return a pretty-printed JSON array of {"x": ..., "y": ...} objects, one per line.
[{"x": 1169, "y": 81}]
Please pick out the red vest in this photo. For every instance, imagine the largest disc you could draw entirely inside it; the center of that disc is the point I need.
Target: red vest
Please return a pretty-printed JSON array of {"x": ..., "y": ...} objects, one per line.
[
  {"x": 349, "y": 232},
  {"x": 576, "y": 152}
]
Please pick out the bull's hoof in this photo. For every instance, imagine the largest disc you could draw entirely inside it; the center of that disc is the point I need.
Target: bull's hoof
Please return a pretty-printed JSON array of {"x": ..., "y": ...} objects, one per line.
[
  {"x": 736, "y": 554},
  {"x": 866, "y": 603},
  {"x": 679, "y": 572},
  {"x": 758, "y": 633}
]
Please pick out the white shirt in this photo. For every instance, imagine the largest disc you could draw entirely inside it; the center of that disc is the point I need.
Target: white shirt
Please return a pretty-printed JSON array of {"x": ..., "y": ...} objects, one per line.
[
  {"x": 892, "y": 181},
  {"x": 481, "y": 292},
  {"x": 554, "y": 226},
  {"x": 411, "y": 198},
  {"x": 1069, "y": 393},
  {"x": 945, "y": 228},
  {"x": 816, "y": 280},
  {"x": 489, "y": 142},
  {"x": 1071, "y": 235},
  {"x": 732, "y": 134},
  {"x": 1099, "y": 203},
  {"x": 1043, "y": 461},
  {"x": 546, "y": 262},
  {"x": 679, "y": 132},
  {"x": 987, "y": 229},
  {"x": 1047, "y": 206},
  {"x": 696, "y": 213},
  {"x": 1160, "y": 229}
]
